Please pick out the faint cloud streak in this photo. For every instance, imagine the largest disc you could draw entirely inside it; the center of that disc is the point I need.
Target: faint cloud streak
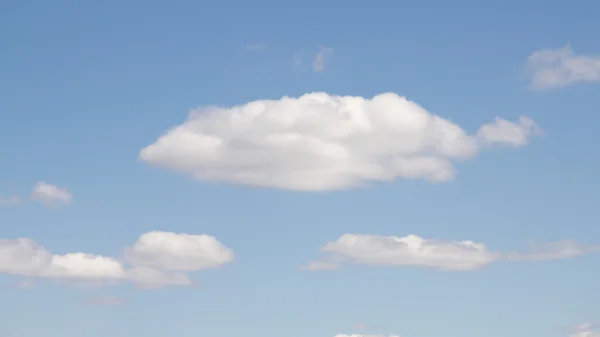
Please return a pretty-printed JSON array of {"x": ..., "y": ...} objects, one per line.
[
  {"x": 106, "y": 301},
  {"x": 10, "y": 201},
  {"x": 255, "y": 47},
  {"x": 321, "y": 59}
]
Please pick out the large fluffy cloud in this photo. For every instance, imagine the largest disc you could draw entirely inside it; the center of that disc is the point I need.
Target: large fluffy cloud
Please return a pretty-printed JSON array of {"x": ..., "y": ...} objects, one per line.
[
  {"x": 556, "y": 68},
  {"x": 322, "y": 142},
  {"x": 413, "y": 250},
  {"x": 156, "y": 259}
]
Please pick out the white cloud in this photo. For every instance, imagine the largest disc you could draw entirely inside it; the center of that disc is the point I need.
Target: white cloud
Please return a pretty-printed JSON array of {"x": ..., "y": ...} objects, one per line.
[
  {"x": 409, "y": 250},
  {"x": 321, "y": 59},
  {"x": 51, "y": 195},
  {"x": 507, "y": 133},
  {"x": 25, "y": 257},
  {"x": 320, "y": 142},
  {"x": 183, "y": 252},
  {"x": 585, "y": 330},
  {"x": 413, "y": 250},
  {"x": 10, "y": 201},
  {"x": 555, "y": 68},
  {"x": 157, "y": 261}
]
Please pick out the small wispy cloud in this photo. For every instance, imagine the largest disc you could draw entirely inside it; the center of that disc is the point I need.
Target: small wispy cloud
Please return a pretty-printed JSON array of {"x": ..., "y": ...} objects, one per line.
[
  {"x": 106, "y": 301},
  {"x": 10, "y": 201},
  {"x": 298, "y": 61},
  {"x": 321, "y": 265},
  {"x": 361, "y": 326},
  {"x": 564, "y": 249},
  {"x": 322, "y": 58},
  {"x": 363, "y": 335},
  {"x": 51, "y": 195},
  {"x": 320, "y": 61},
  {"x": 585, "y": 330},
  {"x": 555, "y": 68},
  {"x": 25, "y": 283},
  {"x": 255, "y": 47}
]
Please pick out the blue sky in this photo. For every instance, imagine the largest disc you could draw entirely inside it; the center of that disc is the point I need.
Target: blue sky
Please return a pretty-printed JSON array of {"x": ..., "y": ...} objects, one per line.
[{"x": 87, "y": 86}]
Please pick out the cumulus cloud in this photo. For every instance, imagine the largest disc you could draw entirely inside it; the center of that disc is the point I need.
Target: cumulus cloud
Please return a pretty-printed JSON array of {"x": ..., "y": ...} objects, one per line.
[
  {"x": 409, "y": 250},
  {"x": 171, "y": 251},
  {"x": 154, "y": 260},
  {"x": 320, "y": 142},
  {"x": 10, "y": 201},
  {"x": 322, "y": 58},
  {"x": 51, "y": 195},
  {"x": 556, "y": 68},
  {"x": 413, "y": 250}
]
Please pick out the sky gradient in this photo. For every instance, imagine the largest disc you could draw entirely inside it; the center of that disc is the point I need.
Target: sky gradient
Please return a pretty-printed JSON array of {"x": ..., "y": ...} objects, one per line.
[{"x": 308, "y": 169}]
